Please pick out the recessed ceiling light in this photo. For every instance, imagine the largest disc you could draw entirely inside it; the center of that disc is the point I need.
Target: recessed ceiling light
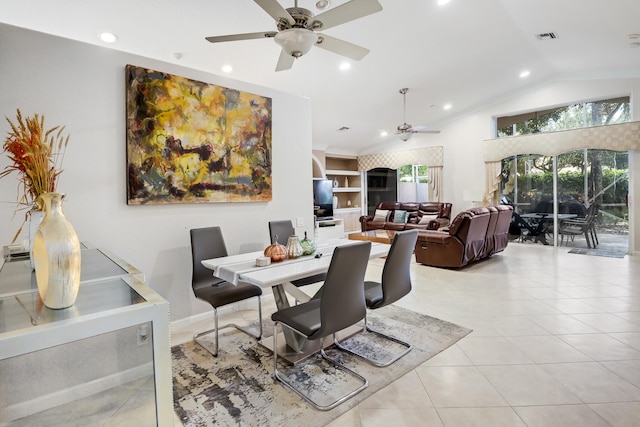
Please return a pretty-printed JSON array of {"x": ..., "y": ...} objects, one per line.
[
  {"x": 442, "y": 2},
  {"x": 323, "y": 4},
  {"x": 108, "y": 37},
  {"x": 524, "y": 74},
  {"x": 384, "y": 133},
  {"x": 446, "y": 107},
  {"x": 227, "y": 68},
  {"x": 345, "y": 66}
]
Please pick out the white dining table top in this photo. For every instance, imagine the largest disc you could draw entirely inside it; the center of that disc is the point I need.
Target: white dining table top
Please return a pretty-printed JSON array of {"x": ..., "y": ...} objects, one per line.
[{"x": 242, "y": 267}]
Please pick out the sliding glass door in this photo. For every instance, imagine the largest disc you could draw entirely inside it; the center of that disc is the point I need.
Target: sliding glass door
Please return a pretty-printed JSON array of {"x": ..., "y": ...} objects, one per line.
[{"x": 552, "y": 195}]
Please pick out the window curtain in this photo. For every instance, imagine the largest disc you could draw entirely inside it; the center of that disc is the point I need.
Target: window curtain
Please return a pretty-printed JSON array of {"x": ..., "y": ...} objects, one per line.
[
  {"x": 618, "y": 137},
  {"x": 432, "y": 157},
  {"x": 492, "y": 183},
  {"x": 435, "y": 183}
]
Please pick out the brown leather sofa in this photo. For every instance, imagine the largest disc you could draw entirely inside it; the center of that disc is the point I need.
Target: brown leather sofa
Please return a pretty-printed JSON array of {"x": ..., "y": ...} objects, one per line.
[
  {"x": 474, "y": 234},
  {"x": 419, "y": 215}
]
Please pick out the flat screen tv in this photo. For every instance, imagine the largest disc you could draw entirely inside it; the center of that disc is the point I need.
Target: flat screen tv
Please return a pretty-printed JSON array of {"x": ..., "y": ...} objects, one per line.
[{"x": 323, "y": 199}]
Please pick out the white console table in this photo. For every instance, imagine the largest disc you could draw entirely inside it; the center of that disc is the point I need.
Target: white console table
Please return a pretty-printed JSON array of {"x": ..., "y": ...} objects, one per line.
[
  {"x": 330, "y": 229},
  {"x": 116, "y": 333}
]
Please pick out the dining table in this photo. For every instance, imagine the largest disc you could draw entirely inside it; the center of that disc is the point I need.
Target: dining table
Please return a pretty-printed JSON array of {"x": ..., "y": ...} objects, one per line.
[
  {"x": 278, "y": 276},
  {"x": 537, "y": 231}
]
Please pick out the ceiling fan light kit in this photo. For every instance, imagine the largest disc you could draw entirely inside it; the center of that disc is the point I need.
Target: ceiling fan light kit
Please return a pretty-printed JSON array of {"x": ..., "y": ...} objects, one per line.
[
  {"x": 404, "y": 136},
  {"x": 296, "y": 41},
  {"x": 297, "y": 28}
]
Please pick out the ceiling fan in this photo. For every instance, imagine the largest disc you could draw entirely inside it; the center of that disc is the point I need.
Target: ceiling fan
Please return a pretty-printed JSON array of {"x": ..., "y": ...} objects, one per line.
[
  {"x": 297, "y": 28},
  {"x": 405, "y": 130}
]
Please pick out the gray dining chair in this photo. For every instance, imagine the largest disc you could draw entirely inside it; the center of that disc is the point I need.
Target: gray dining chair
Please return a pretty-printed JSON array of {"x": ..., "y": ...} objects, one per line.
[
  {"x": 208, "y": 243},
  {"x": 395, "y": 284},
  {"x": 340, "y": 306},
  {"x": 279, "y": 231}
]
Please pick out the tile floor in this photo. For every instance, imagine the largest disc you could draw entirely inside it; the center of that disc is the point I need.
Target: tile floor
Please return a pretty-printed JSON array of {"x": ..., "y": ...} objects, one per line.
[{"x": 555, "y": 342}]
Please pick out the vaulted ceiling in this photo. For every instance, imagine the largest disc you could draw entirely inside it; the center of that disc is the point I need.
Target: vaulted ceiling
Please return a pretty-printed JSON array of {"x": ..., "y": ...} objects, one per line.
[{"x": 466, "y": 53}]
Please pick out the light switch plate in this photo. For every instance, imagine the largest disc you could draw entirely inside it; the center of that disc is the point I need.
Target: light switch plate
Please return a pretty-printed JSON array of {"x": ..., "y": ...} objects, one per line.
[{"x": 300, "y": 221}]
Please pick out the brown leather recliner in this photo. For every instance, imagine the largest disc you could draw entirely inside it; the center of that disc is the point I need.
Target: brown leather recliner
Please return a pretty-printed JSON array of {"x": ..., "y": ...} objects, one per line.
[
  {"x": 501, "y": 234},
  {"x": 466, "y": 241},
  {"x": 420, "y": 215},
  {"x": 462, "y": 244},
  {"x": 489, "y": 241},
  {"x": 498, "y": 229}
]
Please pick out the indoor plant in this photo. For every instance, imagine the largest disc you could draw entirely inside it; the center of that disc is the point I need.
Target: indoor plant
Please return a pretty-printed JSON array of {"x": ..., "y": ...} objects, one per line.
[{"x": 36, "y": 155}]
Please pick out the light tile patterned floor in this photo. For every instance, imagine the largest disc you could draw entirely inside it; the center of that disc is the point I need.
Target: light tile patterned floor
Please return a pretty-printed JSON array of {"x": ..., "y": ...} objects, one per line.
[{"x": 556, "y": 342}]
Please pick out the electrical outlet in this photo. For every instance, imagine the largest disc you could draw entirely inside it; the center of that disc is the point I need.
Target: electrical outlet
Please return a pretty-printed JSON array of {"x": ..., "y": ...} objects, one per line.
[
  {"x": 300, "y": 221},
  {"x": 143, "y": 334}
]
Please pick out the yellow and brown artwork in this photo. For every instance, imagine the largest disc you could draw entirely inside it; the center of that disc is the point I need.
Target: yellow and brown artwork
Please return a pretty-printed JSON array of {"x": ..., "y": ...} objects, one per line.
[{"x": 195, "y": 142}]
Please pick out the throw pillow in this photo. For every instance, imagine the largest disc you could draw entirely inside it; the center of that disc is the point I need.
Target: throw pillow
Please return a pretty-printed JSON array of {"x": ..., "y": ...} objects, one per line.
[
  {"x": 426, "y": 218},
  {"x": 400, "y": 217},
  {"x": 380, "y": 215}
]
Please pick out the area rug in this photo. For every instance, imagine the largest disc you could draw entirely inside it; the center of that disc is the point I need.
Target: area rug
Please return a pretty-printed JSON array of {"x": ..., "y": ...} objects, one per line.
[
  {"x": 237, "y": 388},
  {"x": 597, "y": 252}
]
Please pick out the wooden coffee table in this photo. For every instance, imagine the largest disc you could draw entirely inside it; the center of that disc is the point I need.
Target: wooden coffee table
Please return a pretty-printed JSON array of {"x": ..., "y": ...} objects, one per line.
[{"x": 378, "y": 236}]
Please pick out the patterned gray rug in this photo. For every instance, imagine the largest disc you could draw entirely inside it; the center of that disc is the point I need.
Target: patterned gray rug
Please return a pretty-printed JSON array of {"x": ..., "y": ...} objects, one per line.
[{"x": 237, "y": 387}]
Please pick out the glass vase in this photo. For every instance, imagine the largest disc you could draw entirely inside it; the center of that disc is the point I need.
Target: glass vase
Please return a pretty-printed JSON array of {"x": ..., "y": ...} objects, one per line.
[
  {"x": 56, "y": 255},
  {"x": 308, "y": 246},
  {"x": 294, "y": 249}
]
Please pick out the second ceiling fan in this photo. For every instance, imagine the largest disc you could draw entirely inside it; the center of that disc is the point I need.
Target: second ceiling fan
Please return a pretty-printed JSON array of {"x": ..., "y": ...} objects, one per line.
[
  {"x": 297, "y": 28},
  {"x": 405, "y": 130}
]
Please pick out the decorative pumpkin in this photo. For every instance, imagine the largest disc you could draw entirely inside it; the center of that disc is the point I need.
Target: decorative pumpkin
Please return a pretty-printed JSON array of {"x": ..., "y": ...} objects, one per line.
[
  {"x": 276, "y": 251},
  {"x": 308, "y": 246}
]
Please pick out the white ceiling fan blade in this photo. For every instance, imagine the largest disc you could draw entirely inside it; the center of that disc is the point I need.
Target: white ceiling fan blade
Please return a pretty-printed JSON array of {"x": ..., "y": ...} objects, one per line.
[
  {"x": 247, "y": 36},
  {"x": 273, "y": 8},
  {"x": 347, "y": 12},
  {"x": 341, "y": 47},
  {"x": 423, "y": 129},
  {"x": 285, "y": 61}
]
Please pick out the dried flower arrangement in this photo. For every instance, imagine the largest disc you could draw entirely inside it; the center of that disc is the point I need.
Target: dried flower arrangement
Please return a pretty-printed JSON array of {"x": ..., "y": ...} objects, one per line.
[{"x": 36, "y": 155}]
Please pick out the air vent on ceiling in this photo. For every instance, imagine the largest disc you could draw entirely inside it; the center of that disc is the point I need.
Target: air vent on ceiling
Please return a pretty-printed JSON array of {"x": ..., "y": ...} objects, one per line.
[{"x": 546, "y": 36}]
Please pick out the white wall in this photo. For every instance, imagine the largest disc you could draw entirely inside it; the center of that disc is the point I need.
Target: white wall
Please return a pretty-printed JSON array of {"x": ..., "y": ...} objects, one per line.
[{"x": 82, "y": 87}]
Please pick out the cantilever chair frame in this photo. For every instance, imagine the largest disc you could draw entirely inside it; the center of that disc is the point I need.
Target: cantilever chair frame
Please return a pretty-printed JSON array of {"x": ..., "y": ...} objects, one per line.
[
  {"x": 402, "y": 245},
  {"x": 323, "y": 354},
  {"x": 216, "y": 329},
  {"x": 355, "y": 254}
]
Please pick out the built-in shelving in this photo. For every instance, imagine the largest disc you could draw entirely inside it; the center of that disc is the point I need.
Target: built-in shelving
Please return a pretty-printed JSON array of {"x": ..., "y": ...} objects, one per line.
[{"x": 344, "y": 171}]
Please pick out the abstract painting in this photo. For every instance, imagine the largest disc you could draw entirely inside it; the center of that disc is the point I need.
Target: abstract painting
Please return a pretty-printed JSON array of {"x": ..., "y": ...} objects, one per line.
[{"x": 195, "y": 142}]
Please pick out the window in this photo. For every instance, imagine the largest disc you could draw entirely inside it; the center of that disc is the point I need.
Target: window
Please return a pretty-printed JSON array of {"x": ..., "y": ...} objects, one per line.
[
  {"x": 413, "y": 183},
  {"x": 586, "y": 114}
]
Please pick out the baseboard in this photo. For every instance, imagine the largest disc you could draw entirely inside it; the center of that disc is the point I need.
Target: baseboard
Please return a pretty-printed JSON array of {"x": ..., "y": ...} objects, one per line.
[{"x": 61, "y": 397}]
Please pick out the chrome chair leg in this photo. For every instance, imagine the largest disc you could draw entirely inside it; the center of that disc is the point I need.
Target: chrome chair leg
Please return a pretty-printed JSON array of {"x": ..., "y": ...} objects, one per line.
[
  {"x": 335, "y": 363},
  {"x": 216, "y": 329},
  {"x": 382, "y": 335}
]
